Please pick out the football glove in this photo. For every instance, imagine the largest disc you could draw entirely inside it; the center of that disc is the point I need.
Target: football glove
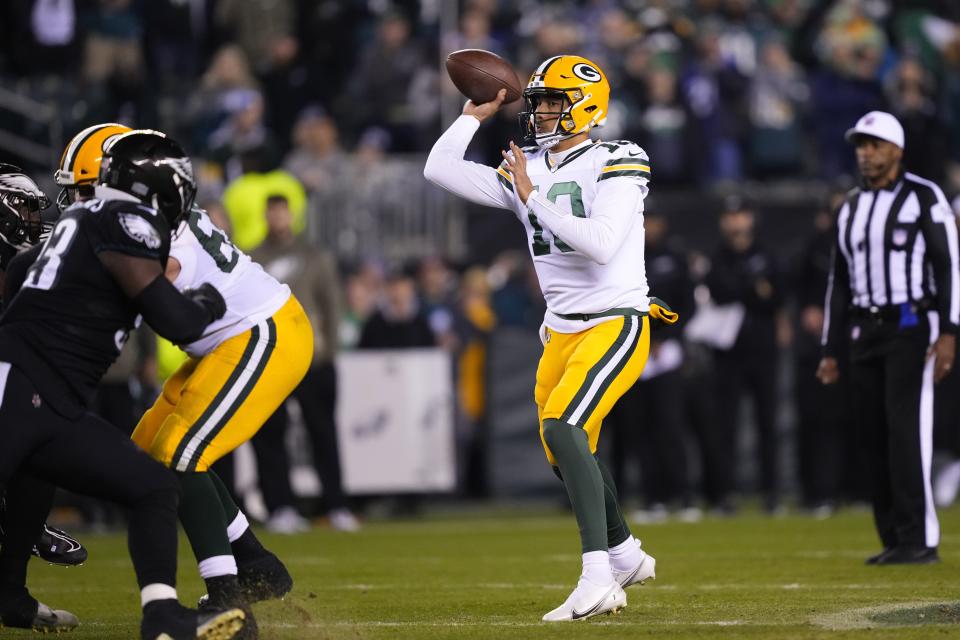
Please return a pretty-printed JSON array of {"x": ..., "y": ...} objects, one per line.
[{"x": 207, "y": 296}]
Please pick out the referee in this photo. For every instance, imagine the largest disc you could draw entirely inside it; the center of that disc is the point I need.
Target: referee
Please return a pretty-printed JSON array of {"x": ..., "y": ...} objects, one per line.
[{"x": 894, "y": 292}]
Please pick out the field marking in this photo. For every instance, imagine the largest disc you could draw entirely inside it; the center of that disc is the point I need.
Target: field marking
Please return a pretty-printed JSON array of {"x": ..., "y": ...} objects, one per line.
[
  {"x": 722, "y": 586},
  {"x": 860, "y": 618},
  {"x": 601, "y": 621}
]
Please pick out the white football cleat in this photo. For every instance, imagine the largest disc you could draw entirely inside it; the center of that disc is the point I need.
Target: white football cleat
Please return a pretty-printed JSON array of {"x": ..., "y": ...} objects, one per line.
[
  {"x": 645, "y": 570},
  {"x": 589, "y": 600}
]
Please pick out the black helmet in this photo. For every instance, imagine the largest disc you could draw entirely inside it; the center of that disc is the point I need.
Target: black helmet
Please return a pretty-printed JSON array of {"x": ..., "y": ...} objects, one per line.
[
  {"x": 154, "y": 169},
  {"x": 22, "y": 223}
]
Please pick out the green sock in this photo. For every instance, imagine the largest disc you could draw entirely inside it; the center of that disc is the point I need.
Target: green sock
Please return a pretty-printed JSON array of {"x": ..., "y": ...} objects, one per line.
[
  {"x": 202, "y": 516},
  {"x": 230, "y": 508},
  {"x": 581, "y": 476},
  {"x": 617, "y": 529}
]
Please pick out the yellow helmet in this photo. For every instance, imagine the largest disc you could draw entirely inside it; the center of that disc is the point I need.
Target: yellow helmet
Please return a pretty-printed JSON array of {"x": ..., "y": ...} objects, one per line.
[
  {"x": 584, "y": 87},
  {"x": 80, "y": 162}
]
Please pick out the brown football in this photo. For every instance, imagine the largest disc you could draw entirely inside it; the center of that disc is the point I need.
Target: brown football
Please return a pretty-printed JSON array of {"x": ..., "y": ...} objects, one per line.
[{"x": 480, "y": 74}]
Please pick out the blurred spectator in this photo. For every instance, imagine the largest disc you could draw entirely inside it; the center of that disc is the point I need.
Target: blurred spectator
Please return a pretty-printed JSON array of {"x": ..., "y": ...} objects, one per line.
[
  {"x": 607, "y": 42},
  {"x": 911, "y": 94},
  {"x": 178, "y": 40},
  {"x": 361, "y": 292},
  {"x": 667, "y": 129},
  {"x": 554, "y": 36},
  {"x": 474, "y": 322},
  {"x": 825, "y": 440},
  {"x": 378, "y": 92},
  {"x": 517, "y": 299},
  {"x": 316, "y": 159},
  {"x": 42, "y": 36},
  {"x": 851, "y": 47},
  {"x": 264, "y": 29},
  {"x": 312, "y": 277},
  {"x": 399, "y": 322},
  {"x": 778, "y": 97},
  {"x": 716, "y": 91},
  {"x": 246, "y": 200},
  {"x": 744, "y": 273},
  {"x": 113, "y": 56},
  {"x": 437, "y": 286},
  {"x": 243, "y": 143},
  {"x": 646, "y": 423},
  {"x": 207, "y": 107},
  {"x": 474, "y": 33}
]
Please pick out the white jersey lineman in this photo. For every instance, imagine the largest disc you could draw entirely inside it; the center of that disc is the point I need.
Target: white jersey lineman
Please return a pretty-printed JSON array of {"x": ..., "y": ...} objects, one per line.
[
  {"x": 582, "y": 269},
  {"x": 206, "y": 254}
]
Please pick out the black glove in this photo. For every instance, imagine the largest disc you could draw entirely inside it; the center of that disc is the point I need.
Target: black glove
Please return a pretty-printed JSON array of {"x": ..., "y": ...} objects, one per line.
[{"x": 207, "y": 296}]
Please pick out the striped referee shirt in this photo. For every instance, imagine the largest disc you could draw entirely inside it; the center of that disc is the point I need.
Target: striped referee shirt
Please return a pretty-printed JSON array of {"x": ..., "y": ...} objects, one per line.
[{"x": 895, "y": 245}]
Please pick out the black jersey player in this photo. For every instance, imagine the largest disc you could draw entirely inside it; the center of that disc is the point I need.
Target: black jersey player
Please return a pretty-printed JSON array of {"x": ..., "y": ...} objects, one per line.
[
  {"x": 76, "y": 300},
  {"x": 25, "y": 220}
]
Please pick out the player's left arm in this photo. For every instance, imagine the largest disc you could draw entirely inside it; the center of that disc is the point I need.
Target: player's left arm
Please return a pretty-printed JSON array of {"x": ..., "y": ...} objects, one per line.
[
  {"x": 940, "y": 233},
  {"x": 618, "y": 201}
]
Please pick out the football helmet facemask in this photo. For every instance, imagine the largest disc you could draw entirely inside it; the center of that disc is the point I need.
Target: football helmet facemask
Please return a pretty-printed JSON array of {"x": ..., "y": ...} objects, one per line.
[
  {"x": 79, "y": 167},
  {"x": 154, "y": 169},
  {"x": 22, "y": 203},
  {"x": 582, "y": 87}
]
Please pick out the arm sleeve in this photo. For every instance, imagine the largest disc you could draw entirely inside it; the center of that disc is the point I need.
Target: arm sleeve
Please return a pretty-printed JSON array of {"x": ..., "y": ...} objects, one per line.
[
  {"x": 836, "y": 303},
  {"x": 940, "y": 233},
  {"x": 171, "y": 314},
  {"x": 476, "y": 182},
  {"x": 600, "y": 236}
]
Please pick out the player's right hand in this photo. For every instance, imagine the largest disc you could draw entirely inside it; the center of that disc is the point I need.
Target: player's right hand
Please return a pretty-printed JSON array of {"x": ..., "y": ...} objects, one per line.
[
  {"x": 828, "y": 372},
  {"x": 483, "y": 111},
  {"x": 207, "y": 296}
]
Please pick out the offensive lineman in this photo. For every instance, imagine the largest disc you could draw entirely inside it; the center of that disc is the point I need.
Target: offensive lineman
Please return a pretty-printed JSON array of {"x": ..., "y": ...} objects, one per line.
[
  {"x": 241, "y": 369},
  {"x": 100, "y": 271},
  {"x": 581, "y": 204}
]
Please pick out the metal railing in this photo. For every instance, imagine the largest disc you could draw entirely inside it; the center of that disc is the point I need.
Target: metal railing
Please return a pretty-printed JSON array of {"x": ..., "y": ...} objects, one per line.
[
  {"x": 388, "y": 211},
  {"x": 42, "y": 118}
]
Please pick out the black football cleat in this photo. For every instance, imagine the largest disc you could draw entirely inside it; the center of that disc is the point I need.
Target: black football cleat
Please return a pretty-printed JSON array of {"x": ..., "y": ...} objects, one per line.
[
  {"x": 25, "y": 612},
  {"x": 169, "y": 620},
  {"x": 262, "y": 578},
  {"x": 56, "y": 547},
  {"x": 225, "y": 593},
  {"x": 909, "y": 555}
]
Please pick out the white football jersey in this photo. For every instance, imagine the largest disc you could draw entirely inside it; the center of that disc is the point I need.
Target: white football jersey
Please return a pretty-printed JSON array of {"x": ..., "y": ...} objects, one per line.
[
  {"x": 597, "y": 267},
  {"x": 206, "y": 254}
]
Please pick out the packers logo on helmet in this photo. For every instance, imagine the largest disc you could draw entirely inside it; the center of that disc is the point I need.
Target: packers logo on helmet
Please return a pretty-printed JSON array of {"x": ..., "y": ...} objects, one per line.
[
  {"x": 80, "y": 162},
  {"x": 583, "y": 90}
]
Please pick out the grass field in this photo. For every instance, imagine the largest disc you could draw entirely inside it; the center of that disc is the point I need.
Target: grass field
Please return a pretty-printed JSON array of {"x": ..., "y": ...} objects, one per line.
[{"x": 492, "y": 574}]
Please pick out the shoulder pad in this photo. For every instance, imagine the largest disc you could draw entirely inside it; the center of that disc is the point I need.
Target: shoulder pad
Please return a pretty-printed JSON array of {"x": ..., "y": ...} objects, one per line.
[
  {"x": 624, "y": 159},
  {"x": 125, "y": 226}
]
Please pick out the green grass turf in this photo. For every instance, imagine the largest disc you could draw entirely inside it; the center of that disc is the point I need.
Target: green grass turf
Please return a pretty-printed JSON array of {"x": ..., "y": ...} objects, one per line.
[{"x": 492, "y": 574}]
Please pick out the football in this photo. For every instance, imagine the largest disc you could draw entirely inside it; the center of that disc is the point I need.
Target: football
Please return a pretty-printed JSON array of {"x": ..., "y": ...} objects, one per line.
[{"x": 480, "y": 74}]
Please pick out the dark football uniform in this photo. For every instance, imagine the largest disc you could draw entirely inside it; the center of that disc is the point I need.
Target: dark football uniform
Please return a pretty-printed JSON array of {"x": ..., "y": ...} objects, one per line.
[
  {"x": 70, "y": 319},
  {"x": 58, "y": 335}
]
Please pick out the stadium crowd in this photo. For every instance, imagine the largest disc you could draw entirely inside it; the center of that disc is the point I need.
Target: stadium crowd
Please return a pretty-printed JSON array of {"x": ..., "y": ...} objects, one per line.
[{"x": 318, "y": 96}]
